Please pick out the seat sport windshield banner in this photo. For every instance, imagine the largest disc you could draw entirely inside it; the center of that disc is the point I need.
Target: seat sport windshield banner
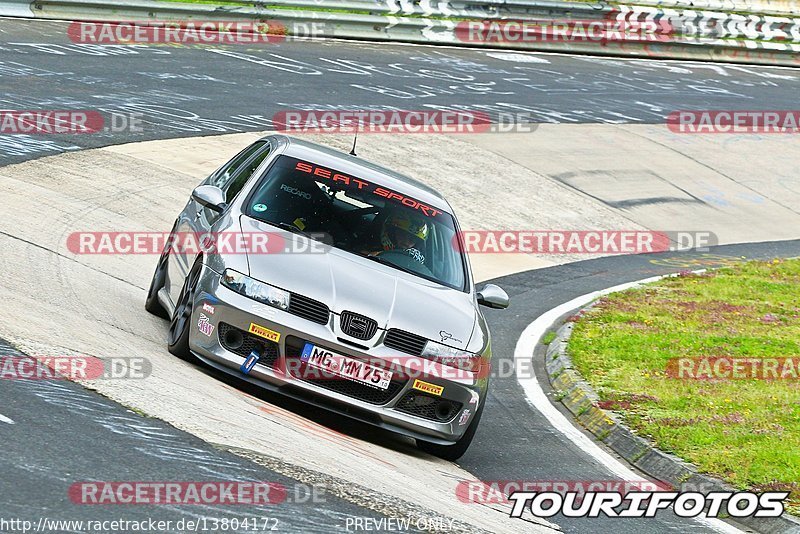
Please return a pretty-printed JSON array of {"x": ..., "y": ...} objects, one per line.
[{"x": 339, "y": 179}]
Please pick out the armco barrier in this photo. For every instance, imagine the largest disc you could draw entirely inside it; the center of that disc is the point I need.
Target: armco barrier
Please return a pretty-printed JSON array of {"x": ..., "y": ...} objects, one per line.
[{"x": 767, "y": 37}]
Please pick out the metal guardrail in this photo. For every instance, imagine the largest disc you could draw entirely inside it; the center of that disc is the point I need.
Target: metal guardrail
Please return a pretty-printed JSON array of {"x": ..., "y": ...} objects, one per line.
[{"x": 681, "y": 33}]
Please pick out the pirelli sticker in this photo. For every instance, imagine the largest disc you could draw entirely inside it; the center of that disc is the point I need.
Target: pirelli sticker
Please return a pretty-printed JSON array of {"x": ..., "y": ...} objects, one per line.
[
  {"x": 266, "y": 333},
  {"x": 427, "y": 387}
]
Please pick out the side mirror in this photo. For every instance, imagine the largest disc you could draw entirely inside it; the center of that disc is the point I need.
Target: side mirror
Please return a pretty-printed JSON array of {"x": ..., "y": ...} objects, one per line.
[
  {"x": 211, "y": 197},
  {"x": 493, "y": 296}
]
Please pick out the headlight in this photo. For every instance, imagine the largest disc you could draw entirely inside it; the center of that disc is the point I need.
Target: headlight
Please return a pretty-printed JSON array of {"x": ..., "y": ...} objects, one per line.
[
  {"x": 249, "y": 287},
  {"x": 451, "y": 357}
]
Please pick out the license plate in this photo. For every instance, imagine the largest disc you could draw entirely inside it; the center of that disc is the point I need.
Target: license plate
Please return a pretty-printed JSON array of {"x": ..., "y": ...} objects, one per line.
[{"x": 345, "y": 367}]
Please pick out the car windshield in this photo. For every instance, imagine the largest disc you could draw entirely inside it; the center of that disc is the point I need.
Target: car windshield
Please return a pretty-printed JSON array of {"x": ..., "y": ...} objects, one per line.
[{"x": 358, "y": 216}]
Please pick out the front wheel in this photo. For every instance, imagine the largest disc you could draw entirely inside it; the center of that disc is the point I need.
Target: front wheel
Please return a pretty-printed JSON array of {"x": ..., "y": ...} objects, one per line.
[
  {"x": 179, "y": 326},
  {"x": 152, "y": 304},
  {"x": 455, "y": 451}
]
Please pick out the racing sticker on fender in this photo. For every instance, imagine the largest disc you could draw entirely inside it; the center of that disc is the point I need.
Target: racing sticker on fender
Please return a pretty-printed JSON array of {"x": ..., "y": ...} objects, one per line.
[
  {"x": 204, "y": 325},
  {"x": 464, "y": 418},
  {"x": 266, "y": 333},
  {"x": 427, "y": 387}
]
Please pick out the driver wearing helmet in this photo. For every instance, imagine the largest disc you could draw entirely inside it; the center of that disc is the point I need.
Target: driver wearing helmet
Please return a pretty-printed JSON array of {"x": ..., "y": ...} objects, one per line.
[{"x": 404, "y": 233}]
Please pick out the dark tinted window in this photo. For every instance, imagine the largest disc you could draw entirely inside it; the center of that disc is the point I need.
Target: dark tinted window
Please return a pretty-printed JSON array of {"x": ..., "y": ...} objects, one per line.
[
  {"x": 222, "y": 177},
  {"x": 361, "y": 217},
  {"x": 244, "y": 173}
]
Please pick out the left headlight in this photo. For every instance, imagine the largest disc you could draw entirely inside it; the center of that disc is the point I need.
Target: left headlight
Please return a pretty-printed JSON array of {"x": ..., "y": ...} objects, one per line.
[
  {"x": 451, "y": 357},
  {"x": 252, "y": 288}
]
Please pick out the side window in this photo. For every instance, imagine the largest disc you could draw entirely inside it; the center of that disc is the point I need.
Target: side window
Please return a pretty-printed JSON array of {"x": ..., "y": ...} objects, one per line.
[
  {"x": 244, "y": 173},
  {"x": 223, "y": 176},
  {"x": 233, "y": 175}
]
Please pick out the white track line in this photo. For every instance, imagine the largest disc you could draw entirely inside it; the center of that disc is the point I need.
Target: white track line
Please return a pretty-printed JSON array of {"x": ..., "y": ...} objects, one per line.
[
  {"x": 537, "y": 398},
  {"x": 4, "y": 419}
]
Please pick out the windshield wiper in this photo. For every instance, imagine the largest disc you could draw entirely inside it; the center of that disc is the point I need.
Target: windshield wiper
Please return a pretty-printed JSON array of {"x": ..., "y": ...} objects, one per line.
[{"x": 391, "y": 264}]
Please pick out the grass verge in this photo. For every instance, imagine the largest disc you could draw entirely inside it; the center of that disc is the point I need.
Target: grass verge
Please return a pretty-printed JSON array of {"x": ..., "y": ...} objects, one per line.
[{"x": 745, "y": 431}]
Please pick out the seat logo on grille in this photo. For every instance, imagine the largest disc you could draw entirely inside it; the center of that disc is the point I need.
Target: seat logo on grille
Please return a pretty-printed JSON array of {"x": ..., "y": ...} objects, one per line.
[{"x": 358, "y": 326}]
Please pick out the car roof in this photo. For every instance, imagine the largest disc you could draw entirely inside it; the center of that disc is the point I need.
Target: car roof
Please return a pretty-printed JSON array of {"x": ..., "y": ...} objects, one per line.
[{"x": 360, "y": 168}]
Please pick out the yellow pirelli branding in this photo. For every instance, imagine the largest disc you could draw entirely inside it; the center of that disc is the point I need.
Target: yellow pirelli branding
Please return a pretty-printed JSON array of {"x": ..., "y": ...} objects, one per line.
[
  {"x": 427, "y": 387},
  {"x": 266, "y": 333}
]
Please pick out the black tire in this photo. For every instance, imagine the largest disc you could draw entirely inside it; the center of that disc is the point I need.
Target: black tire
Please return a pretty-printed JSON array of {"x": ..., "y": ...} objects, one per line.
[
  {"x": 180, "y": 323},
  {"x": 455, "y": 451},
  {"x": 151, "y": 304}
]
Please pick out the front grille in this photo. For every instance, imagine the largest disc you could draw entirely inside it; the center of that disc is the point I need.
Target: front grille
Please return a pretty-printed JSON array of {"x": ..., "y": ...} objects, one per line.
[
  {"x": 405, "y": 341},
  {"x": 243, "y": 343},
  {"x": 358, "y": 326},
  {"x": 310, "y": 309},
  {"x": 428, "y": 406},
  {"x": 300, "y": 371}
]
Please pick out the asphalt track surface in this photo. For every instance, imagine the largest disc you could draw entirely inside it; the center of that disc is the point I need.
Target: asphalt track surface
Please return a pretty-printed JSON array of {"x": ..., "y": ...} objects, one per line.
[
  {"x": 64, "y": 433},
  {"x": 187, "y": 91}
]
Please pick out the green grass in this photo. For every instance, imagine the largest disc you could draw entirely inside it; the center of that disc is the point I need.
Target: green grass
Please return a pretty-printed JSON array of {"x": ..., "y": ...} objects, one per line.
[
  {"x": 548, "y": 337},
  {"x": 745, "y": 431}
]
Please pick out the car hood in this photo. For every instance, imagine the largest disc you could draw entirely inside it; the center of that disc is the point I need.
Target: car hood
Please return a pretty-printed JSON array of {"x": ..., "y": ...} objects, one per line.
[{"x": 345, "y": 281}]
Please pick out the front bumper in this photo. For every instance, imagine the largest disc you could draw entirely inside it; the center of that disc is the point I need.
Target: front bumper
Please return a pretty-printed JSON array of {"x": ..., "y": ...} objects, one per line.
[{"x": 226, "y": 319}]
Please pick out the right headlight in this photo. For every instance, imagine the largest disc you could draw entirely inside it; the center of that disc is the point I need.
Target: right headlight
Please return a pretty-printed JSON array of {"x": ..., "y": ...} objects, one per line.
[
  {"x": 451, "y": 357},
  {"x": 252, "y": 288}
]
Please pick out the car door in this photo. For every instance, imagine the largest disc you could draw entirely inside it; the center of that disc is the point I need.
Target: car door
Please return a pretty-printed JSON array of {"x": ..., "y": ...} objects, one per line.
[{"x": 196, "y": 220}]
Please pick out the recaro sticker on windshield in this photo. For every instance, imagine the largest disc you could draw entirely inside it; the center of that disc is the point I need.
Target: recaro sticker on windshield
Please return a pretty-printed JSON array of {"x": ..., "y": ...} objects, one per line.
[
  {"x": 294, "y": 191},
  {"x": 359, "y": 184}
]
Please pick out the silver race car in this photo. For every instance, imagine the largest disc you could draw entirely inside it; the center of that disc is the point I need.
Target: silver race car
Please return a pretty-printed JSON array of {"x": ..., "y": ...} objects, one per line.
[{"x": 335, "y": 281}]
